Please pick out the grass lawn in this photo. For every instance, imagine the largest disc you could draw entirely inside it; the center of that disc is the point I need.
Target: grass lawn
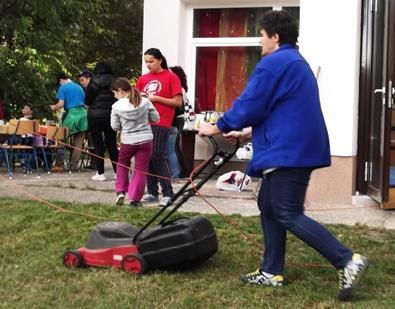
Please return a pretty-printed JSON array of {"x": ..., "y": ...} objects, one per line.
[{"x": 34, "y": 237}]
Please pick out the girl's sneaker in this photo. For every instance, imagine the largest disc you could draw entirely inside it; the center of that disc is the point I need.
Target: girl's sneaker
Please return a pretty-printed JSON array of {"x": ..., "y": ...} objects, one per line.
[
  {"x": 120, "y": 198},
  {"x": 135, "y": 204}
]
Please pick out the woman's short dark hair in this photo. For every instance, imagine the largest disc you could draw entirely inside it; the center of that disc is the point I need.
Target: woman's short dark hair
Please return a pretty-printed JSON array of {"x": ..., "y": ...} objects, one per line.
[
  {"x": 85, "y": 73},
  {"x": 282, "y": 23},
  {"x": 156, "y": 53},
  {"x": 61, "y": 75}
]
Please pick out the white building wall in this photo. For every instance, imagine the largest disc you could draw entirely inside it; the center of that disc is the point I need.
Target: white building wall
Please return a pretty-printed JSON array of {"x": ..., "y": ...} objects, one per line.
[
  {"x": 329, "y": 39},
  {"x": 162, "y": 24}
]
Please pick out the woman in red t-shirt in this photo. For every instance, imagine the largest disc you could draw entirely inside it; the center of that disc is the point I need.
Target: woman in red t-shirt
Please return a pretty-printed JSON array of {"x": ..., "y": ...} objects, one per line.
[{"x": 163, "y": 88}]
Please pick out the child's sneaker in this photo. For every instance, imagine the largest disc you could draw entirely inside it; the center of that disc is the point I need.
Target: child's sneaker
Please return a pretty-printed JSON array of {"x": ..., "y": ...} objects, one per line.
[
  {"x": 135, "y": 204},
  {"x": 261, "y": 278},
  {"x": 350, "y": 275},
  {"x": 120, "y": 198},
  {"x": 150, "y": 198}
]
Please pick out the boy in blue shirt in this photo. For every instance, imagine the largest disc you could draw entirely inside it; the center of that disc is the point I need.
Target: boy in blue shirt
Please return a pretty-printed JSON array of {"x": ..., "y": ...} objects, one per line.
[{"x": 71, "y": 97}]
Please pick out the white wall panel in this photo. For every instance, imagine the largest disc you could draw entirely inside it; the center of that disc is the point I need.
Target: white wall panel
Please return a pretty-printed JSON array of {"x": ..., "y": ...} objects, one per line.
[{"x": 330, "y": 39}]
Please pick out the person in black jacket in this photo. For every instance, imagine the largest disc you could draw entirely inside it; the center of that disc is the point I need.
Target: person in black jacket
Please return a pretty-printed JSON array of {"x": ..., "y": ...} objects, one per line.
[
  {"x": 177, "y": 160},
  {"x": 99, "y": 100}
]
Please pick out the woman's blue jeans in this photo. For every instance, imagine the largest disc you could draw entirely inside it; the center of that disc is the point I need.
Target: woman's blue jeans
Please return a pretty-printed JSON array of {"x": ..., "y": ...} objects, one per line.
[
  {"x": 281, "y": 203},
  {"x": 171, "y": 152}
]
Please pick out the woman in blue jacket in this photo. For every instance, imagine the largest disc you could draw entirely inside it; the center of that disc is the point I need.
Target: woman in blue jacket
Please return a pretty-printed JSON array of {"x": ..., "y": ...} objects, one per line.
[{"x": 280, "y": 105}]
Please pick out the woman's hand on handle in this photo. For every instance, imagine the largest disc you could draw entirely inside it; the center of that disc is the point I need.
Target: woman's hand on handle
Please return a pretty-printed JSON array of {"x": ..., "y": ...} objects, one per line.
[
  {"x": 238, "y": 136},
  {"x": 233, "y": 136}
]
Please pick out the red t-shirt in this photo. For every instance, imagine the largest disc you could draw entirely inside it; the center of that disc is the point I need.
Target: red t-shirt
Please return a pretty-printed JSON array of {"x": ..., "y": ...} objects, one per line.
[{"x": 165, "y": 84}]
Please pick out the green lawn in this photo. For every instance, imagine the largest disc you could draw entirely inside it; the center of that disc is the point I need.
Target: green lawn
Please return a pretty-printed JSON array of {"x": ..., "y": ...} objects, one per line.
[{"x": 34, "y": 237}]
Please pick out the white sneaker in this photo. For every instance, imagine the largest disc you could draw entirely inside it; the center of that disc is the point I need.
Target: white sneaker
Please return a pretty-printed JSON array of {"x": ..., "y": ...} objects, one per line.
[
  {"x": 164, "y": 201},
  {"x": 99, "y": 177},
  {"x": 350, "y": 275},
  {"x": 149, "y": 198},
  {"x": 261, "y": 278},
  {"x": 120, "y": 199}
]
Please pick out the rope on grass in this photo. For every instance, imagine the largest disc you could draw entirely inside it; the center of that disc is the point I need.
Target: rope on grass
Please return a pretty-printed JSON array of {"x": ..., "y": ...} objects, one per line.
[
  {"x": 51, "y": 205},
  {"x": 224, "y": 217},
  {"x": 231, "y": 223}
]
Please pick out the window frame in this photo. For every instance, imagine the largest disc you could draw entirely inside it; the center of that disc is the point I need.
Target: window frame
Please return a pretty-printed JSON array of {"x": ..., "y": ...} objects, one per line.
[{"x": 195, "y": 42}]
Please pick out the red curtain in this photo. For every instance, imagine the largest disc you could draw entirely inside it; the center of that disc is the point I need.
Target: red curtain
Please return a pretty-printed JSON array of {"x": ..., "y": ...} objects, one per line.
[
  {"x": 221, "y": 72},
  {"x": 232, "y": 61},
  {"x": 206, "y": 64},
  {"x": 206, "y": 88}
]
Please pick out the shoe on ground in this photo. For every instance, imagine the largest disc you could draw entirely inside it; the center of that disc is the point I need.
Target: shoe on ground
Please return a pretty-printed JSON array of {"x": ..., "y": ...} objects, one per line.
[
  {"x": 350, "y": 275},
  {"x": 99, "y": 177},
  {"x": 135, "y": 204},
  {"x": 120, "y": 198},
  {"x": 261, "y": 278},
  {"x": 150, "y": 198},
  {"x": 57, "y": 169},
  {"x": 164, "y": 201}
]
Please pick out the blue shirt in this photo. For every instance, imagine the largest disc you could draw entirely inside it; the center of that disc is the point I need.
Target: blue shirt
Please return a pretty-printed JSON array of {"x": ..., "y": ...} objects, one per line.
[
  {"x": 72, "y": 94},
  {"x": 281, "y": 103}
]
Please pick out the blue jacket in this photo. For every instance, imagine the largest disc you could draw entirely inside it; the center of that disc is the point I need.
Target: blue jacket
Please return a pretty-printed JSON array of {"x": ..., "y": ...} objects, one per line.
[{"x": 281, "y": 103}]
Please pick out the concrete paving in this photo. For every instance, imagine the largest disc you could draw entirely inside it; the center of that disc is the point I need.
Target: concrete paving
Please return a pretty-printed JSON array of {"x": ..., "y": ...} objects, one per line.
[{"x": 78, "y": 187}]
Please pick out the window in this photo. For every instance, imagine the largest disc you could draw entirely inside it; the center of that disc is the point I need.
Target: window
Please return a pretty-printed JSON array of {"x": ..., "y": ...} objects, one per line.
[
  {"x": 227, "y": 48},
  {"x": 233, "y": 22}
]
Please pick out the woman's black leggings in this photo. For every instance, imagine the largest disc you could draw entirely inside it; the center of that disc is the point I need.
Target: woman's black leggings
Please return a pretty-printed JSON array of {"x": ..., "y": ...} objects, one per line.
[{"x": 103, "y": 136}]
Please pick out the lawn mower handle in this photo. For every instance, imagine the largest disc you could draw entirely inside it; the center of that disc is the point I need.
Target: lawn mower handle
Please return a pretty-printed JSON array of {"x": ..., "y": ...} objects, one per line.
[{"x": 184, "y": 193}]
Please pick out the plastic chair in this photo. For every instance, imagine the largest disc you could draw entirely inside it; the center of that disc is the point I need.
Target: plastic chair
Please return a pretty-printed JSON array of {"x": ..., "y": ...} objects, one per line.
[
  {"x": 3, "y": 151},
  {"x": 54, "y": 144},
  {"x": 20, "y": 145},
  {"x": 86, "y": 158}
]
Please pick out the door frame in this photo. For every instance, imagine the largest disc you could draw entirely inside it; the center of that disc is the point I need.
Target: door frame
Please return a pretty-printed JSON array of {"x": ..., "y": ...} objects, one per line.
[
  {"x": 365, "y": 94},
  {"x": 365, "y": 81}
]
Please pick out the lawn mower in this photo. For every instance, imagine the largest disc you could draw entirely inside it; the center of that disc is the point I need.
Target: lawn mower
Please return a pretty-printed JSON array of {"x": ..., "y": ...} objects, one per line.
[{"x": 171, "y": 244}]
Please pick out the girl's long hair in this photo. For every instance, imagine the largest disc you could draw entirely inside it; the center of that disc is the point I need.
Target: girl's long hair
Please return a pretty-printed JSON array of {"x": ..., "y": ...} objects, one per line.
[{"x": 125, "y": 85}]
